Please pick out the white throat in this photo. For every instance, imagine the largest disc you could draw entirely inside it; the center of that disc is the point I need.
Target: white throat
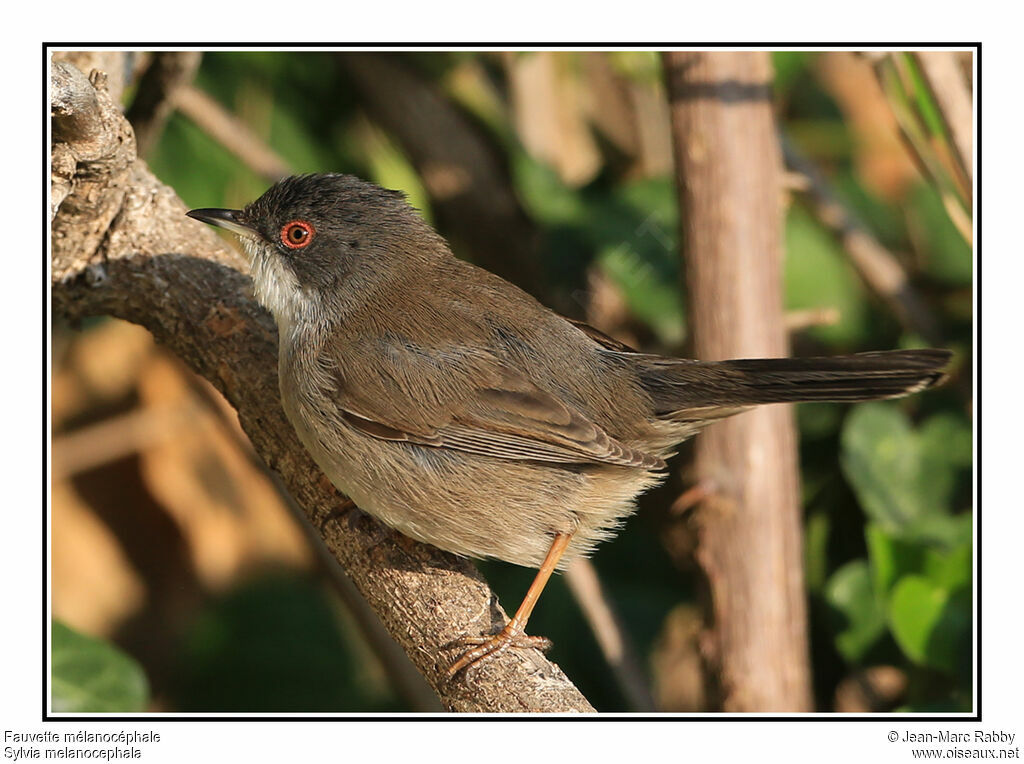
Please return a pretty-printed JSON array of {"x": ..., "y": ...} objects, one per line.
[{"x": 277, "y": 288}]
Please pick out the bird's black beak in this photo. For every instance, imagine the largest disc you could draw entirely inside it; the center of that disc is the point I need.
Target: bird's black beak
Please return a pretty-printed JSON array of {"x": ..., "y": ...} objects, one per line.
[{"x": 230, "y": 219}]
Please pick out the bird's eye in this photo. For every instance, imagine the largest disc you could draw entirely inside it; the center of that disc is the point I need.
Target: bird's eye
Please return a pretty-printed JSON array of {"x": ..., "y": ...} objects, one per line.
[{"x": 297, "y": 234}]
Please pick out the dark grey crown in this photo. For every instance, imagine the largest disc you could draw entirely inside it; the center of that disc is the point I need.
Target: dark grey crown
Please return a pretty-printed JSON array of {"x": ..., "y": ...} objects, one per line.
[{"x": 354, "y": 221}]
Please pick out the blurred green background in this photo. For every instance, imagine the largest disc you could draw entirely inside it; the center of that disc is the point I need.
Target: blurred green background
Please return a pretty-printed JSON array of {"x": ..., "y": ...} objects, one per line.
[{"x": 579, "y": 142}]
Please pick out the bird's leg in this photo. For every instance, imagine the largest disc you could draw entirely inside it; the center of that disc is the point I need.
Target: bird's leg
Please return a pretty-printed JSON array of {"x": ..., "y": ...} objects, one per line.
[
  {"x": 336, "y": 513},
  {"x": 513, "y": 635}
]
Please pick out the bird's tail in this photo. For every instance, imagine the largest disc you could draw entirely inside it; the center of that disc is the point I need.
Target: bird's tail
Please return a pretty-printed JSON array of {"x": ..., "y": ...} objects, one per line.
[{"x": 678, "y": 386}]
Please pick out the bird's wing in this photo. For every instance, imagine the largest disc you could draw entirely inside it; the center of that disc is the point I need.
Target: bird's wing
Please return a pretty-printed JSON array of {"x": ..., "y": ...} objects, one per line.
[
  {"x": 602, "y": 339},
  {"x": 467, "y": 400}
]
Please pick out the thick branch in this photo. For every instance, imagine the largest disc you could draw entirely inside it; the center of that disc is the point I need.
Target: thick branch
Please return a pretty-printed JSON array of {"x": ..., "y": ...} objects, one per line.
[
  {"x": 92, "y": 154},
  {"x": 729, "y": 178},
  {"x": 145, "y": 262}
]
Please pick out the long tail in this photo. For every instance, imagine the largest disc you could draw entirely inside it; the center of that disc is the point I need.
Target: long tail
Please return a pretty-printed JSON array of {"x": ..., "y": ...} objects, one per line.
[{"x": 678, "y": 386}]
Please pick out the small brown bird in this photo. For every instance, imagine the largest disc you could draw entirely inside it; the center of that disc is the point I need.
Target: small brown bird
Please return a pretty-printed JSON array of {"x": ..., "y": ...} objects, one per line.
[{"x": 457, "y": 409}]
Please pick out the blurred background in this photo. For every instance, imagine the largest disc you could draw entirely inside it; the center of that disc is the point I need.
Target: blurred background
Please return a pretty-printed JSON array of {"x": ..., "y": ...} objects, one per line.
[{"x": 181, "y": 571}]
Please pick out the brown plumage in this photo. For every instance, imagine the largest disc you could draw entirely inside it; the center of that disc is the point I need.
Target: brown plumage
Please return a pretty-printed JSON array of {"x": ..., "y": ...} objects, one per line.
[{"x": 459, "y": 410}]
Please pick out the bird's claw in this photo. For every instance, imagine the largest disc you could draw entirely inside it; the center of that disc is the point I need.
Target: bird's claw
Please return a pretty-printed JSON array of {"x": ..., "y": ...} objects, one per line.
[{"x": 488, "y": 648}]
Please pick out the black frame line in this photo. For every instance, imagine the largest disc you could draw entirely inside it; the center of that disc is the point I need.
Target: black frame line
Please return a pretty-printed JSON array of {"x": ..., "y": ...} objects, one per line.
[{"x": 150, "y": 718}]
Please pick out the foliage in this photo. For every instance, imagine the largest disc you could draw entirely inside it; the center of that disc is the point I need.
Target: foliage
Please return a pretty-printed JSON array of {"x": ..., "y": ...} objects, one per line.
[
  {"x": 275, "y": 644},
  {"x": 915, "y": 584},
  {"x": 90, "y": 675}
]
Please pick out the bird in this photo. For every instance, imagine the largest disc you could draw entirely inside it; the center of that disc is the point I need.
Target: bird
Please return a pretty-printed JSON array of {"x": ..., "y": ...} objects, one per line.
[{"x": 457, "y": 409}]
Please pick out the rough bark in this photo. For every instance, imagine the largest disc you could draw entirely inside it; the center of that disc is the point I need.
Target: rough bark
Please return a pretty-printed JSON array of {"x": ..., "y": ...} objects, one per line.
[
  {"x": 729, "y": 178},
  {"x": 123, "y": 247}
]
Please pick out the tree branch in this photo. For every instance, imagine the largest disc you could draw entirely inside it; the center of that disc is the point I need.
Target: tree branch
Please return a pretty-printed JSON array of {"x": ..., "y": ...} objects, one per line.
[
  {"x": 123, "y": 247},
  {"x": 729, "y": 177},
  {"x": 154, "y": 102},
  {"x": 878, "y": 267},
  {"x": 613, "y": 640},
  {"x": 231, "y": 132}
]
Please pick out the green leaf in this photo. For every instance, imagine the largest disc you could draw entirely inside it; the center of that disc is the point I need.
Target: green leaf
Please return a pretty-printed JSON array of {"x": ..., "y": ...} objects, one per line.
[
  {"x": 920, "y": 95},
  {"x": 275, "y": 644},
  {"x": 951, "y": 568},
  {"x": 816, "y": 532},
  {"x": 861, "y": 619},
  {"x": 914, "y": 611},
  {"x": 947, "y": 257},
  {"x": 630, "y": 231},
  {"x": 90, "y": 675},
  {"x": 390, "y": 168},
  {"x": 905, "y": 479},
  {"x": 884, "y": 220},
  {"x": 931, "y": 624},
  {"x": 880, "y": 459},
  {"x": 945, "y": 449},
  {"x": 891, "y": 557},
  {"x": 545, "y": 198},
  {"x": 790, "y": 67},
  {"x": 638, "y": 65},
  {"x": 818, "y": 421},
  {"x": 652, "y": 300},
  {"x": 818, "y": 275}
]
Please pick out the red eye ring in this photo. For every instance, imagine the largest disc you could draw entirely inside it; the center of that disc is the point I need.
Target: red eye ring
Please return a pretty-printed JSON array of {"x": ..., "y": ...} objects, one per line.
[{"x": 297, "y": 234}]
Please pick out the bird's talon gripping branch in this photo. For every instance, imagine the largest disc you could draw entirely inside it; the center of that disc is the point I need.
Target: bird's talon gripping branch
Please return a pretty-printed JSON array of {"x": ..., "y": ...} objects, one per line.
[
  {"x": 514, "y": 633},
  {"x": 491, "y": 647}
]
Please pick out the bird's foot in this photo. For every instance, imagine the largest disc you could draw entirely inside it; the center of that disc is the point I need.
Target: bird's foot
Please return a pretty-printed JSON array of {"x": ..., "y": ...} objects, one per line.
[{"x": 488, "y": 648}]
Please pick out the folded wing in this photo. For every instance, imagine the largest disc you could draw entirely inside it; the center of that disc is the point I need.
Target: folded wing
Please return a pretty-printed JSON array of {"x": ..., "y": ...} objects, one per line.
[{"x": 475, "y": 403}]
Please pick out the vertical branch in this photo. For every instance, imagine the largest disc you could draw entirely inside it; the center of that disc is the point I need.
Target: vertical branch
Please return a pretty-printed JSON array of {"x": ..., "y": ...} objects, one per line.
[{"x": 729, "y": 178}]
